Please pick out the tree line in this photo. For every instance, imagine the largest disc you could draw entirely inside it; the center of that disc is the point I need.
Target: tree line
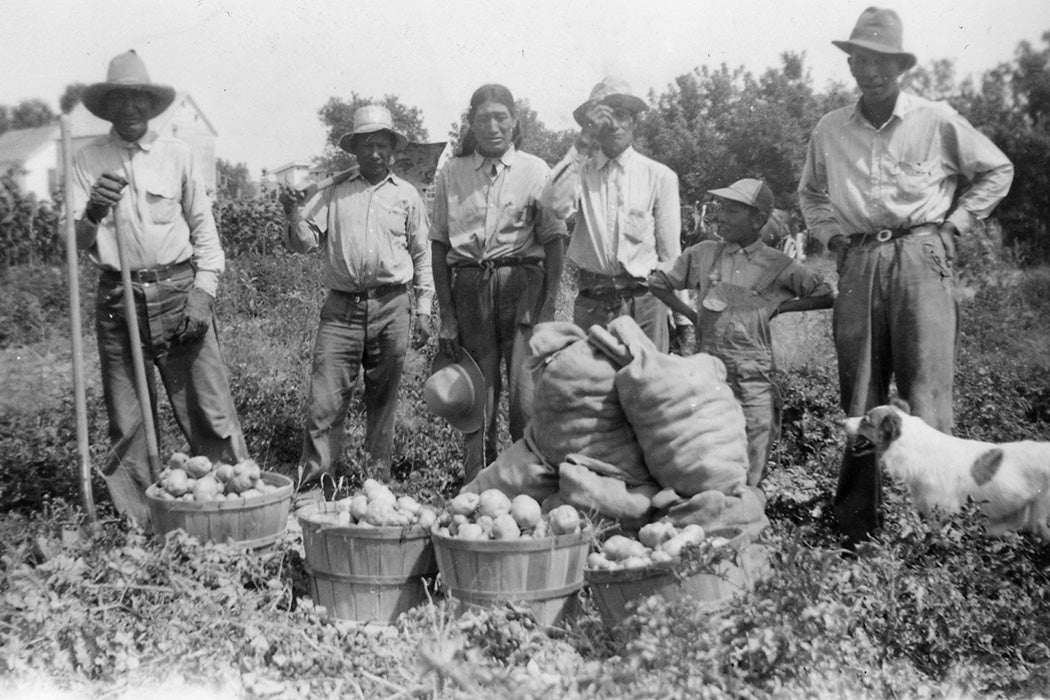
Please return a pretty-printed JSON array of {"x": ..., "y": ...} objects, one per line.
[{"x": 711, "y": 126}]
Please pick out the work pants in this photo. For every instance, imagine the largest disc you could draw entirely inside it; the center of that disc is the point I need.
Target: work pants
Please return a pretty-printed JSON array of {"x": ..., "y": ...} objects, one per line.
[
  {"x": 494, "y": 308},
  {"x": 750, "y": 376},
  {"x": 356, "y": 333},
  {"x": 194, "y": 379},
  {"x": 895, "y": 317},
  {"x": 650, "y": 313}
]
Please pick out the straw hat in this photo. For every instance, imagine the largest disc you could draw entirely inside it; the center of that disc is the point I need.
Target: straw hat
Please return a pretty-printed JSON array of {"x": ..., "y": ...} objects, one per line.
[
  {"x": 127, "y": 72},
  {"x": 368, "y": 120},
  {"x": 614, "y": 92},
  {"x": 881, "y": 31},
  {"x": 456, "y": 392}
]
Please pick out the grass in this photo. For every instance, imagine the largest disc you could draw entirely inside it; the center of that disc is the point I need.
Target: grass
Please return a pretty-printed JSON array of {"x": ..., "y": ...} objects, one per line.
[{"x": 934, "y": 613}]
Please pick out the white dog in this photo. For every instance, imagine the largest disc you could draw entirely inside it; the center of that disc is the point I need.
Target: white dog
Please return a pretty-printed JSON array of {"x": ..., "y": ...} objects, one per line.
[{"x": 1010, "y": 481}]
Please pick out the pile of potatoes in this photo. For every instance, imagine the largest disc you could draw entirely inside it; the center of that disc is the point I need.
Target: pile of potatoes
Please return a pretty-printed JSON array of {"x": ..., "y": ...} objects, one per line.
[
  {"x": 657, "y": 543},
  {"x": 375, "y": 505},
  {"x": 188, "y": 478},
  {"x": 492, "y": 515}
]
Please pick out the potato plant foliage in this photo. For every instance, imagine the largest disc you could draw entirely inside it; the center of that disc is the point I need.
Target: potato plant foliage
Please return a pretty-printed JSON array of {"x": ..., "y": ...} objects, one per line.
[{"x": 923, "y": 612}]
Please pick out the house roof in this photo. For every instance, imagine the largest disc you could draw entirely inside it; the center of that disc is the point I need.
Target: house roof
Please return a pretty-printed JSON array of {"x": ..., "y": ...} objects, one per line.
[
  {"x": 18, "y": 145},
  {"x": 84, "y": 123}
]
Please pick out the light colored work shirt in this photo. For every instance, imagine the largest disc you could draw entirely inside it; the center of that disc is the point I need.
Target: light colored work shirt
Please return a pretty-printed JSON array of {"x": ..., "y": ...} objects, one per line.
[
  {"x": 859, "y": 179},
  {"x": 488, "y": 208},
  {"x": 164, "y": 214},
  {"x": 627, "y": 209},
  {"x": 373, "y": 235},
  {"x": 732, "y": 279}
]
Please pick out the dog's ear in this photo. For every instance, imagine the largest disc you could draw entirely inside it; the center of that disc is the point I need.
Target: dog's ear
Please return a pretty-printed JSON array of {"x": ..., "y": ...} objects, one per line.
[
  {"x": 889, "y": 427},
  {"x": 901, "y": 404}
]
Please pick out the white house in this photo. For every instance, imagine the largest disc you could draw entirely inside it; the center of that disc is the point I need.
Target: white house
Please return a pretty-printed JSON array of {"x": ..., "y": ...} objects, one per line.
[
  {"x": 294, "y": 174},
  {"x": 31, "y": 157},
  {"x": 35, "y": 155}
]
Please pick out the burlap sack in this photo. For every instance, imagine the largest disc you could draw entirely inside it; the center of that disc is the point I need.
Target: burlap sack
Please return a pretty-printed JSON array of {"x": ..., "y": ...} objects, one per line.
[
  {"x": 744, "y": 508},
  {"x": 515, "y": 471},
  {"x": 595, "y": 488},
  {"x": 689, "y": 425},
  {"x": 576, "y": 408}
]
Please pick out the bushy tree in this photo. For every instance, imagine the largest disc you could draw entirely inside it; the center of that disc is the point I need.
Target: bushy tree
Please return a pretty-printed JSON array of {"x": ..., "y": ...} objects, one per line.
[
  {"x": 338, "y": 117},
  {"x": 233, "y": 181},
  {"x": 71, "y": 97}
]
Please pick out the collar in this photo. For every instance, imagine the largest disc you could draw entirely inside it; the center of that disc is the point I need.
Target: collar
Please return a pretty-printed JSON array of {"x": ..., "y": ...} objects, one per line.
[
  {"x": 905, "y": 103},
  {"x": 390, "y": 177},
  {"x": 601, "y": 160},
  {"x": 478, "y": 160},
  {"x": 145, "y": 143},
  {"x": 748, "y": 250}
]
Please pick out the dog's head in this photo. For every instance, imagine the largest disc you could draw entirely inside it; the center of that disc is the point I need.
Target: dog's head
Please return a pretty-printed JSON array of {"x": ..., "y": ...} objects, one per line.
[{"x": 876, "y": 429}]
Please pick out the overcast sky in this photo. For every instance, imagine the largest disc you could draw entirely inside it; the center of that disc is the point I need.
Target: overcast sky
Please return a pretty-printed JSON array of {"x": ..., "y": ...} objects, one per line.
[{"x": 260, "y": 69}]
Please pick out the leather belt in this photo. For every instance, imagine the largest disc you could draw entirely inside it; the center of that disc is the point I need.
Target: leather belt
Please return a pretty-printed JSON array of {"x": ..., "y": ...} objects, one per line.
[
  {"x": 381, "y": 290},
  {"x": 154, "y": 274},
  {"x": 890, "y": 234},
  {"x": 492, "y": 263},
  {"x": 595, "y": 286}
]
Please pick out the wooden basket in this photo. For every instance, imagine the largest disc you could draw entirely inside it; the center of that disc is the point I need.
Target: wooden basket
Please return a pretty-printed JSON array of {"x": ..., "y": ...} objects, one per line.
[
  {"x": 252, "y": 522},
  {"x": 545, "y": 573},
  {"x": 614, "y": 591},
  {"x": 366, "y": 574}
]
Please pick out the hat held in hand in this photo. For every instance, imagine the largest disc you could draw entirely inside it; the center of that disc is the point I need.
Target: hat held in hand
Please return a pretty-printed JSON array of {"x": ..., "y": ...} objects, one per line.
[
  {"x": 456, "y": 392},
  {"x": 127, "y": 72}
]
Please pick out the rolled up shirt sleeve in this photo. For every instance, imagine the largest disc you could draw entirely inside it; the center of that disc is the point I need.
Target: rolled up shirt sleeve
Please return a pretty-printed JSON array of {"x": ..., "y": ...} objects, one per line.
[{"x": 562, "y": 192}]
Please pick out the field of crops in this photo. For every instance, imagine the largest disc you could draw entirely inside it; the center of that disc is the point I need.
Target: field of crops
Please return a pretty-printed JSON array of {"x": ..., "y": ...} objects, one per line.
[{"x": 921, "y": 613}]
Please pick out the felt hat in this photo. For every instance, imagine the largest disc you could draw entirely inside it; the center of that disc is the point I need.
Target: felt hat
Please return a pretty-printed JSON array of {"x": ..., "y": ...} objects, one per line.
[
  {"x": 751, "y": 192},
  {"x": 368, "y": 120},
  {"x": 881, "y": 31},
  {"x": 456, "y": 392},
  {"x": 614, "y": 92},
  {"x": 126, "y": 72}
]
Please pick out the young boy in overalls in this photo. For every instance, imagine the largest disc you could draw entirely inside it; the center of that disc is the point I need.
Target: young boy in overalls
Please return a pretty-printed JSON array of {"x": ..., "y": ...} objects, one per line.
[{"x": 741, "y": 284}]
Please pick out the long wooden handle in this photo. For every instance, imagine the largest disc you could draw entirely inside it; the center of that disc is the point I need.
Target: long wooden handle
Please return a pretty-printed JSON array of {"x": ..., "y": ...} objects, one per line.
[
  {"x": 137, "y": 361},
  {"x": 87, "y": 497}
]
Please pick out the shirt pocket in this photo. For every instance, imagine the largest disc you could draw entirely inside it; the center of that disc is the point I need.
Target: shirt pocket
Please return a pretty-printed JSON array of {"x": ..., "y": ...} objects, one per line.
[
  {"x": 915, "y": 178},
  {"x": 393, "y": 220},
  {"x": 638, "y": 227},
  {"x": 163, "y": 199}
]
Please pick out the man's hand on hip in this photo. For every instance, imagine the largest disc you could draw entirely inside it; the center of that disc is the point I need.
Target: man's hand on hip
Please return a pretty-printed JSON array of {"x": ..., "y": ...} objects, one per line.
[
  {"x": 948, "y": 232},
  {"x": 196, "y": 316}
]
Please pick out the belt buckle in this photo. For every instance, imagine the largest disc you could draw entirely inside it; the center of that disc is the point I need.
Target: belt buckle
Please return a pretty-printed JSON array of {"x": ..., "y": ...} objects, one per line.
[{"x": 884, "y": 235}]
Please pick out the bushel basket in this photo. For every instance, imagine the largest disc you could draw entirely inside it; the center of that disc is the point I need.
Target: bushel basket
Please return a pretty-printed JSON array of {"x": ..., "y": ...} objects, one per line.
[
  {"x": 251, "y": 522},
  {"x": 362, "y": 573},
  {"x": 545, "y": 573}
]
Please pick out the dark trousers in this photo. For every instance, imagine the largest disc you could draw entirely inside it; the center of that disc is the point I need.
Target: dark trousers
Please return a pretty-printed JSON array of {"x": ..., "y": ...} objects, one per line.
[
  {"x": 353, "y": 334},
  {"x": 194, "y": 379},
  {"x": 895, "y": 317}
]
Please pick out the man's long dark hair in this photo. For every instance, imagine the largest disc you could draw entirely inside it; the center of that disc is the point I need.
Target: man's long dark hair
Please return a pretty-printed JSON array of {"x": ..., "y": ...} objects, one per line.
[{"x": 492, "y": 92}]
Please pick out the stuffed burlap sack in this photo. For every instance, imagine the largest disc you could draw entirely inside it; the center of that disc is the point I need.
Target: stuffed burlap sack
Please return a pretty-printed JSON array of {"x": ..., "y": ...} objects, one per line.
[
  {"x": 515, "y": 471},
  {"x": 690, "y": 426},
  {"x": 576, "y": 408}
]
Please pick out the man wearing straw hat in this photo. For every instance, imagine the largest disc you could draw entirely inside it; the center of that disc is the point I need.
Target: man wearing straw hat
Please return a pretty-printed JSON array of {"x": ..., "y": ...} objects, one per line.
[
  {"x": 879, "y": 189},
  {"x": 373, "y": 230},
  {"x": 627, "y": 214},
  {"x": 149, "y": 190}
]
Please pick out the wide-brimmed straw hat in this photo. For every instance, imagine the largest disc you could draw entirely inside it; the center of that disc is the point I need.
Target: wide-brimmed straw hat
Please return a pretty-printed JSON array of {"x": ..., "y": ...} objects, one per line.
[
  {"x": 370, "y": 119},
  {"x": 127, "y": 72},
  {"x": 881, "y": 31},
  {"x": 456, "y": 392},
  {"x": 614, "y": 92}
]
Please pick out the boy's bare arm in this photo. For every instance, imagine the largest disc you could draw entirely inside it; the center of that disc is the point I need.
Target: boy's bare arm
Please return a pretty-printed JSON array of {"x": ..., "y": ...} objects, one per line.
[
  {"x": 662, "y": 290},
  {"x": 825, "y": 301}
]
